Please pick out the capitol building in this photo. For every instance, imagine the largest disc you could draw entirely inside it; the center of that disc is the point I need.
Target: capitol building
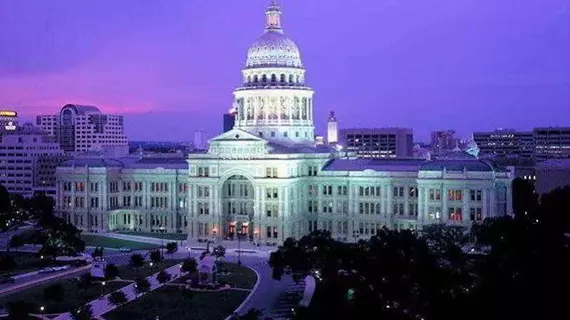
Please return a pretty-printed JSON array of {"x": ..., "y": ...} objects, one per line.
[{"x": 267, "y": 180}]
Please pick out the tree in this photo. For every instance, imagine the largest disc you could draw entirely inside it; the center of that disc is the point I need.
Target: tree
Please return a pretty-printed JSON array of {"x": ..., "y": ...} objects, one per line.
[
  {"x": 61, "y": 238},
  {"x": 142, "y": 286},
  {"x": 117, "y": 298},
  {"x": 5, "y": 204},
  {"x": 20, "y": 309},
  {"x": 171, "y": 247},
  {"x": 525, "y": 199},
  {"x": 111, "y": 271},
  {"x": 444, "y": 240},
  {"x": 7, "y": 262},
  {"x": 219, "y": 252},
  {"x": 155, "y": 256},
  {"x": 190, "y": 265},
  {"x": 84, "y": 312},
  {"x": 163, "y": 277},
  {"x": 42, "y": 206},
  {"x": 84, "y": 282},
  {"x": 136, "y": 261},
  {"x": 55, "y": 293}
]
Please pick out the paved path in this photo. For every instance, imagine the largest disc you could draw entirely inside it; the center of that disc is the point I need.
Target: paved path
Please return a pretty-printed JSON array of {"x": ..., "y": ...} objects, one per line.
[{"x": 102, "y": 306}]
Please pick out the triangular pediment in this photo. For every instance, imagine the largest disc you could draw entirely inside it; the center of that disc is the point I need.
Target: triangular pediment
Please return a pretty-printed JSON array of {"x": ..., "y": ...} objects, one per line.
[
  {"x": 237, "y": 135},
  {"x": 237, "y": 144}
]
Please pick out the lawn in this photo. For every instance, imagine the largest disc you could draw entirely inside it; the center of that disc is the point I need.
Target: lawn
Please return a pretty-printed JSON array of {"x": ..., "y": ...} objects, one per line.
[
  {"x": 107, "y": 242},
  {"x": 73, "y": 297},
  {"x": 175, "y": 303},
  {"x": 128, "y": 273},
  {"x": 238, "y": 277},
  {"x": 165, "y": 236},
  {"x": 26, "y": 262}
]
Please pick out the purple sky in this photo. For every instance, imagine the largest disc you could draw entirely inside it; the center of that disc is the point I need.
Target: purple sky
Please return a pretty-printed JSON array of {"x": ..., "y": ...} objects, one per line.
[{"x": 172, "y": 65}]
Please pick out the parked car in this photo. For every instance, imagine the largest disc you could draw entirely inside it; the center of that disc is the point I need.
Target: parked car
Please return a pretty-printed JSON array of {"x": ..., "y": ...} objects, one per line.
[{"x": 125, "y": 249}]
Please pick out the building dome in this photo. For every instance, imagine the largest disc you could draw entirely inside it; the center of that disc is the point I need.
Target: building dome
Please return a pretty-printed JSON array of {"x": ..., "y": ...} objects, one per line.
[{"x": 274, "y": 49}]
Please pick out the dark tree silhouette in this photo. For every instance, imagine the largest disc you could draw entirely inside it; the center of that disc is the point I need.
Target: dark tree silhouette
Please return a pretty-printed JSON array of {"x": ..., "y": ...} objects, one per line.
[
  {"x": 163, "y": 277},
  {"x": 136, "y": 261},
  {"x": 111, "y": 271},
  {"x": 117, "y": 298}
]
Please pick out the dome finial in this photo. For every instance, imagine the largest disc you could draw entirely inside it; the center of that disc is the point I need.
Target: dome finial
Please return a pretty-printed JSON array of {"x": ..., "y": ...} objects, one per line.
[{"x": 273, "y": 17}]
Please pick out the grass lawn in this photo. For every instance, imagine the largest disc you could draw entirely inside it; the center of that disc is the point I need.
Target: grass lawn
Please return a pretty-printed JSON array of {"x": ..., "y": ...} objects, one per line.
[
  {"x": 174, "y": 303},
  {"x": 106, "y": 242},
  {"x": 238, "y": 277},
  {"x": 128, "y": 273},
  {"x": 72, "y": 297},
  {"x": 27, "y": 262},
  {"x": 165, "y": 236}
]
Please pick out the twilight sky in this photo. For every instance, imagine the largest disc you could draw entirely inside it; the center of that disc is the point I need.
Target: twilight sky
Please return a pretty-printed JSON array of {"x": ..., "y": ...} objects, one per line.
[{"x": 170, "y": 66}]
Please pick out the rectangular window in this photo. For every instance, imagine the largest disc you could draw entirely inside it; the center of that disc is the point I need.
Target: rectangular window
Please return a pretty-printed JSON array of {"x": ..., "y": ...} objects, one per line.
[
  {"x": 455, "y": 214},
  {"x": 454, "y": 195},
  {"x": 268, "y": 232}
]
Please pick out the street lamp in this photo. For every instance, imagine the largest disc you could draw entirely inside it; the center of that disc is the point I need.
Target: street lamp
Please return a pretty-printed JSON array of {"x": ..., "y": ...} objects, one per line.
[
  {"x": 42, "y": 309},
  {"x": 239, "y": 248},
  {"x": 162, "y": 242},
  {"x": 255, "y": 233}
]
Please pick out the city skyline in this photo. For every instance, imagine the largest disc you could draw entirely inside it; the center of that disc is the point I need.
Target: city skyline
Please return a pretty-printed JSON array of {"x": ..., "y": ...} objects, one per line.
[{"x": 177, "y": 63}]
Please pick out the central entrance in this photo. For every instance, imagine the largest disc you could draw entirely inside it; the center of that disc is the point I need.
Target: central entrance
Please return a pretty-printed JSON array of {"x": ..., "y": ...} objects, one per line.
[{"x": 237, "y": 207}]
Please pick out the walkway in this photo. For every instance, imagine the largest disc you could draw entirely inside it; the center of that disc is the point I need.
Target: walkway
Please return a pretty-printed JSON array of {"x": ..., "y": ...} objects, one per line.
[{"x": 102, "y": 305}]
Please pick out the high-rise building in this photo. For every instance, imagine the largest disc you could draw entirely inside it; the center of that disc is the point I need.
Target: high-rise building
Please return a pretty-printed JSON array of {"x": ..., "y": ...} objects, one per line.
[
  {"x": 267, "y": 179},
  {"x": 81, "y": 128},
  {"x": 200, "y": 140},
  {"x": 332, "y": 129},
  {"x": 443, "y": 141},
  {"x": 551, "y": 143},
  {"x": 229, "y": 120},
  {"x": 8, "y": 121},
  {"x": 505, "y": 143},
  {"x": 378, "y": 142},
  {"x": 28, "y": 160}
]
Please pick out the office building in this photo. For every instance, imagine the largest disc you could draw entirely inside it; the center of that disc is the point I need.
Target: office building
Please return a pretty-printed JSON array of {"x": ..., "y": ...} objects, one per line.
[
  {"x": 28, "y": 160},
  {"x": 8, "y": 121},
  {"x": 332, "y": 129},
  {"x": 443, "y": 141},
  {"x": 81, "y": 128},
  {"x": 229, "y": 120},
  {"x": 378, "y": 142},
  {"x": 200, "y": 142},
  {"x": 505, "y": 143},
  {"x": 267, "y": 179},
  {"x": 552, "y": 174},
  {"x": 551, "y": 143}
]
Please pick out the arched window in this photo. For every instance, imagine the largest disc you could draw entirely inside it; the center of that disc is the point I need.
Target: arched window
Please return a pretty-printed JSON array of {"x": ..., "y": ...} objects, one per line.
[
  {"x": 255, "y": 79},
  {"x": 282, "y": 78},
  {"x": 248, "y": 79},
  {"x": 297, "y": 82},
  {"x": 291, "y": 79},
  {"x": 264, "y": 79},
  {"x": 273, "y": 78}
]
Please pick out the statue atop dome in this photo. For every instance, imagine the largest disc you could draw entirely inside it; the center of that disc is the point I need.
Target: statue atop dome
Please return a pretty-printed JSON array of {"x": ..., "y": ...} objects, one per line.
[
  {"x": 273, "y": 14},
  {"x": 473, "y": 148}
]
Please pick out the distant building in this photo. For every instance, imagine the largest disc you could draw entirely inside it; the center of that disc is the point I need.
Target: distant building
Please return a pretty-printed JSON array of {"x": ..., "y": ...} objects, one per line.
[
  {"x": 332, "y": 129},
  {"x": 443, "y": 141},
  {"x": 505, "y": 143},
  {"x": 551, "y": 143},
  {"x": 552, "y": 174},
  {"x": 8, "y": 121},
  {"x": 28, "y": 159},
  {"x": 200, "y": 140},
  {"x": 378, "y": 142},
  {"x": 229, "y": 120},
  {"x": 83, "y": 128}
]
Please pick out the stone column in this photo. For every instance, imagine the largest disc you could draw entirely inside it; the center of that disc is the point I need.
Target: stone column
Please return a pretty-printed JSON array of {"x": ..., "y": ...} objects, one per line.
[{"x": 444, "y": 210}]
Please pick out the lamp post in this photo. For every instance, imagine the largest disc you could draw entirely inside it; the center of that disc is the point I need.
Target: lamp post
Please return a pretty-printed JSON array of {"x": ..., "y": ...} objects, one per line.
[
  {"x": 162, "y": 242},
  {"x": 42, "y": 309},
  {"x": 239, "y": 248}
]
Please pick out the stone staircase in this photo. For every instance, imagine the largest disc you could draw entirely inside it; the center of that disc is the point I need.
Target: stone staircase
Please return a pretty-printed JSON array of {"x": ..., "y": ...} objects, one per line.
[{"x": 288, "y": 300}]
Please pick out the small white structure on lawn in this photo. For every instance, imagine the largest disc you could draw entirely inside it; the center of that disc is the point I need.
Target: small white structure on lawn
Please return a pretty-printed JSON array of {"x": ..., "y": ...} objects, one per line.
[{"x": 207, "y": 269}]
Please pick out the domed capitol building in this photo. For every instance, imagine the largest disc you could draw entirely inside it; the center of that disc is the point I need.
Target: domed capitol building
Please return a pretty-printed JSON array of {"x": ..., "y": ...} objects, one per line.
[{"x": 267, "y": 180}]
